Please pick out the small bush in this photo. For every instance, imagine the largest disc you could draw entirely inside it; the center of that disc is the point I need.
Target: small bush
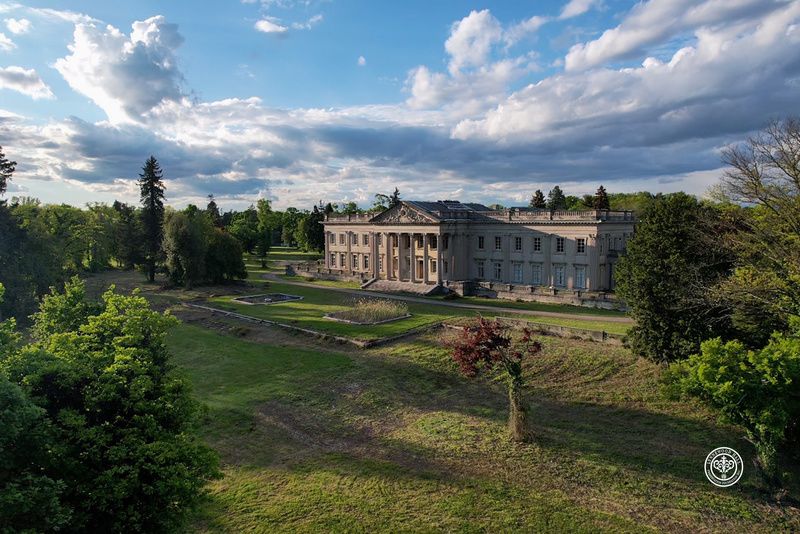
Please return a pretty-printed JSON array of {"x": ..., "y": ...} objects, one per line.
[
  {"x": 757, "y": 389},
  {"x": 368, "y": 310}
]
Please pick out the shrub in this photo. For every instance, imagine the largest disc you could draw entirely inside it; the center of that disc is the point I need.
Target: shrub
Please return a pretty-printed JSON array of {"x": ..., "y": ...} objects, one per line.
[
  {"x": 367, "y": 310},
  {"x": 757, "y": 389}
]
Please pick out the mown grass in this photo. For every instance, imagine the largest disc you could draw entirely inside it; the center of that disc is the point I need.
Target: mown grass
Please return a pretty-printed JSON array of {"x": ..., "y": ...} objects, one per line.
[
  {"x": 317, "y": 302},
  {"x": 394, "y": 439}
]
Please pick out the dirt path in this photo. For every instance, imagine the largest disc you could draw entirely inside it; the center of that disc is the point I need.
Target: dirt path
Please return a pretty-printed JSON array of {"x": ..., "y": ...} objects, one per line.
[{"x": 422, "y": 300}]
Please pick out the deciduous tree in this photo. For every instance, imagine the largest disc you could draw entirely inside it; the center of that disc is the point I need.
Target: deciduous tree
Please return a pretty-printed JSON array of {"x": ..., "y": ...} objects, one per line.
[{"x": 489, "y": 344}]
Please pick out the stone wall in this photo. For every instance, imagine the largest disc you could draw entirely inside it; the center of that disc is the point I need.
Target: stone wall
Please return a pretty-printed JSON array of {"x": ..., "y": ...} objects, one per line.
[{"x": 551, "y": 295}]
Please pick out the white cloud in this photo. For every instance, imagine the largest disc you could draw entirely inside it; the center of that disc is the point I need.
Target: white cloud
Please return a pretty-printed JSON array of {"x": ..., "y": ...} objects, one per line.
[
  {"x": 522, "y": 29},
  {"x": 24, "y": 81},
  {"x": 307, "y": 25},
  {"x": 18, "y": 26},
  {"x": 471, "y": 40},
  {"x": 6, "y": 44},
  {"x": 125, "y": 76},
  {"x": 270, "y": 26},
  {"x": 578, "y": 7},
  {"x": 653, "y": 21},
  {"x": 701, "y": 88},
  {"x": 362, "y": 61},
  {"x": 61, "y": 15}
]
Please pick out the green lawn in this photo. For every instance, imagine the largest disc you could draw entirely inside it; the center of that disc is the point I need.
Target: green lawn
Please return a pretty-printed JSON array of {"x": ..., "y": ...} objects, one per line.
[
  {"x": 310, "y": 312},
  {"x": 394, "y": 439}
]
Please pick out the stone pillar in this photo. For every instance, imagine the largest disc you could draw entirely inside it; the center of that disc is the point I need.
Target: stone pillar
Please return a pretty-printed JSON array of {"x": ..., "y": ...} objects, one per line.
[
  {"x": 327, "y": 249},
  {"x": 399, "y": 256},
  {"x": 348, "y": 260},
  {"x": 387, "y": 259},
  {"x": 412, "y": 258},
  {"x": 439, "y": 239},
  {"x": 374, "y": 252},
  {"x": 425, "y": 258}
]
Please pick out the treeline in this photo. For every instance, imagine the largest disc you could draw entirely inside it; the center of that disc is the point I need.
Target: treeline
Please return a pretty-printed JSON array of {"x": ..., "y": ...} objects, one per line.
[
  {"x": 714, "y": 287},
  {"x": 43, "y": 245},
  {"x": 601, "y": 200}
]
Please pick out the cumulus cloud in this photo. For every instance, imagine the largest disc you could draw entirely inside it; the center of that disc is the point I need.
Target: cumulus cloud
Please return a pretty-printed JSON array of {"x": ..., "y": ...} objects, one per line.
[
  {"x": 270, "y": 25},
  {"x": 24, "y": 81},
  {"x": 125, "y": 76},
  {"x": 18, "y": 26},
  {"x": 651, "y": 22},
  {"x": 6, "y": 44},
  {"x": 471, "y": 40},
  {"x": 573, "y": 8},
  {"x": 699, "y": 92}
]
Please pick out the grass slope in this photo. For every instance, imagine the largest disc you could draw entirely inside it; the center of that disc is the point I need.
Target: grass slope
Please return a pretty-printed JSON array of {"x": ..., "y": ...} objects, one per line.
[{"x": 393, "y": 439}]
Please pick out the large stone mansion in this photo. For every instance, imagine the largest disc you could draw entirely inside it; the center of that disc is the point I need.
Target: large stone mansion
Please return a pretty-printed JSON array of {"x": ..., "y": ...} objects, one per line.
[{"x": 519, "y": 253}]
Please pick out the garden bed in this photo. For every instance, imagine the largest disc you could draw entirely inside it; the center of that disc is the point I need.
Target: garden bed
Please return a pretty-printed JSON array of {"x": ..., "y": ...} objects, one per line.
[
  {"x": 370, "y": 311},
  {"x": 267, "y": 298}
]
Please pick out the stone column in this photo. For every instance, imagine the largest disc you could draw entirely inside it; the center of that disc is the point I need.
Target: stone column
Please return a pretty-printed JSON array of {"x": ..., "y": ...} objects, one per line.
[
  {"x": 425, "y": 258},
  {"x": 327, "y": 249},
  {"x": 387, "y": 259},
  {"x": 439, "y": 239},
  {"x": 399, "y": 256},
  {"x": 348, "y": 260},
  {"x": 412, "y": 257}
]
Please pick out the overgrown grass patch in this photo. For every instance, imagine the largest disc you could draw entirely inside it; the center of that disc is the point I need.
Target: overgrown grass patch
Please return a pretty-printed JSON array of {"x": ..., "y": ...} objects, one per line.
[{"x": 372, "y": 311}]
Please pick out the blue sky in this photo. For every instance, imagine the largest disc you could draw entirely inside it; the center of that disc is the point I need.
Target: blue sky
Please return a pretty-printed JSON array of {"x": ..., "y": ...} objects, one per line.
[{"x": 301, "y": 101}]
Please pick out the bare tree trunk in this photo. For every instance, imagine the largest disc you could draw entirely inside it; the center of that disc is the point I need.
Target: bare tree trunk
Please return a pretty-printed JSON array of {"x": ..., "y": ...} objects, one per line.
[{"x": 517, "y": 417}]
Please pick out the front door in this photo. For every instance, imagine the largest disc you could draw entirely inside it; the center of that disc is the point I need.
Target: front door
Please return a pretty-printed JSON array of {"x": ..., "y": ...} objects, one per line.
[{"x": 580, "y": 277}]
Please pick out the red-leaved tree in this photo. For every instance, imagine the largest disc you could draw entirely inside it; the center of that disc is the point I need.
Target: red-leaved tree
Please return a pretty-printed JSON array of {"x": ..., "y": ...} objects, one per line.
[{"x": 486, "y": 345}]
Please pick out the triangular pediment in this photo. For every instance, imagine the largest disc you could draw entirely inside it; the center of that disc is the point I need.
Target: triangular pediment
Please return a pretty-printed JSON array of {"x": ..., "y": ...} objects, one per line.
[{"x": 404, "y": 213}]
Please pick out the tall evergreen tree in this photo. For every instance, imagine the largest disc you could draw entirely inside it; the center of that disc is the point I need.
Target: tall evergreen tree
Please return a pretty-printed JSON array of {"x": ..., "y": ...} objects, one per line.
[
  {"x": 152, "y": 198},
  {"x": 537, "y": 200},
  {"x": 556, "y": 199},
  {"x": 601, "y": 201},
  {"x": 6, "y": 170},
  {"x": 213, "y": 211}
]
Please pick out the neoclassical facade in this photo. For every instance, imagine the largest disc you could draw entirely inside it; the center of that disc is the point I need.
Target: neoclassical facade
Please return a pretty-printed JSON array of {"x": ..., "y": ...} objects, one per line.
[{"x": 449, "y": 243}]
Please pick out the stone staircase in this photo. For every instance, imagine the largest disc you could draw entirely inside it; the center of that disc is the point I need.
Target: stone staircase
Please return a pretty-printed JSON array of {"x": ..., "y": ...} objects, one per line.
[{"x": 395, "y": 286}]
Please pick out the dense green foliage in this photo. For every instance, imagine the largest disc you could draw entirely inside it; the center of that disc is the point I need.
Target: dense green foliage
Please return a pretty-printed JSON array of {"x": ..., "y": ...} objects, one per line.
[
  {"x": 664, "y": 276},
  {"x": 757, "y": 389},
  {"x": 556, "y": 199},
  {"x": 7, "y": 168},
  {"x": 109, "y": 427},
  {"x": 537, "y": 200}
]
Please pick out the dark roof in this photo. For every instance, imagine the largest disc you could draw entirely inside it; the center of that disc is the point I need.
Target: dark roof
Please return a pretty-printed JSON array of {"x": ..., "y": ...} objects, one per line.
[{"x": 446, "y": 205}]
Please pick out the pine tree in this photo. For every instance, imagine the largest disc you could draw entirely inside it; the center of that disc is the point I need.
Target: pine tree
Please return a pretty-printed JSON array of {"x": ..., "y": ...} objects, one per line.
[
  {"x": 537, "y": 200},
  {"x": 213, "y": 211},
  {"x": 6, "y": 170},
  {"x": 601, "y": 201},
  {"x": 556, "y": 199},
  {"x": 152, "y": 198}
]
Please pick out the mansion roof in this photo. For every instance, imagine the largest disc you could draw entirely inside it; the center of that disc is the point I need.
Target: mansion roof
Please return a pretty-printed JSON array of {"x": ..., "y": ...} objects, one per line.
[{"x": 443, "y": 211}]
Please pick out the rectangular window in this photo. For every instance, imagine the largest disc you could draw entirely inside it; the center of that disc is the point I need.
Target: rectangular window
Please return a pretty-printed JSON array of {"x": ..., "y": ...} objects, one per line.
[
  {"x": 333, "y": 259},
  {"x": 537, "y": 244},
  {"x": 366, "y": 261},
  {"x": 580, "y": 277},
  {"x": 342, "y": 261},
  {"x": 498, "y": 271},
  {"x": 481, "y": 272},
  {"x": 355, "y": 261},
  {"x": 445, "y": 243},
  {"x": 536, "y": 278},
  {"x": 332, "y": 239},
  {"x": 559, "y": 279},
  {"x": 518, "y": 244},
  {"x": 433, "y": 266},
  {"x": 341, "y": 239},
  {"x": 444, "y": 267},
  {"x": 419, "y": 241},
  {"x": 517, "y": 267},
  {"x": 560, "y": 245},
  {"x": 498, "y": 242},
  {"x": 580, "y": 245},
  {"x": 354, "y": 239},
  {"x": 365, "y": 240},
  {"x": 481, "y": 242},
  {"x": 432, "y": 242}
]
